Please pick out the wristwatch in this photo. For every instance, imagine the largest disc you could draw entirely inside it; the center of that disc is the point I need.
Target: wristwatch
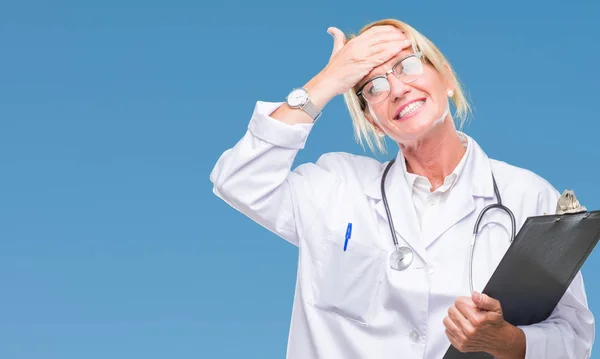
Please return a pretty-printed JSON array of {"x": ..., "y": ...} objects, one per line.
[{"x": 298, "y": 98}]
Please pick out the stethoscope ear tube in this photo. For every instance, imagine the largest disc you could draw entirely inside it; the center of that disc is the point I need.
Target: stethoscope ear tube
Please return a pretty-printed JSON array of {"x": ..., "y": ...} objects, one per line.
[
  {"x": 487, "y": 208},
  {"x": 500, "y": 206},
  {"x": 385, "y": 202},
  {"x": 402, "y": 257}
]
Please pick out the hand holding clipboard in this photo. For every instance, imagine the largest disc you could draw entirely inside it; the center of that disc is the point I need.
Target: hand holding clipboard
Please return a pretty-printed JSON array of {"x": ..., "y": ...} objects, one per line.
[{"x": 540, "y": 265}]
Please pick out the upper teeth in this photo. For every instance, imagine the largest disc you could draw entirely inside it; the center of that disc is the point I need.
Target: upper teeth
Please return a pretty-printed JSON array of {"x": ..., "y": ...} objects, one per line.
[{"x": 410, "y": 108}]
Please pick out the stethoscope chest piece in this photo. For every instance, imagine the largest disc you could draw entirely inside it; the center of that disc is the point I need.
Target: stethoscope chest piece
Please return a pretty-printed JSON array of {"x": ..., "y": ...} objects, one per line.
[{"x": 401, "y": 258}]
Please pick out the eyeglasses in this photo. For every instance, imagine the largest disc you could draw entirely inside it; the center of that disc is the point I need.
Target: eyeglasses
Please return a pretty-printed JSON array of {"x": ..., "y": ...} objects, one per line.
[{"x": 407, "y": 70}]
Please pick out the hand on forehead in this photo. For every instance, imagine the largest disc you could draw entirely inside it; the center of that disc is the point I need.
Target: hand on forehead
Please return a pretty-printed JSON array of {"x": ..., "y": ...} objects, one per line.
[
  {"x": 381, "y": 28},
  {"x": 387, "y": 65}
]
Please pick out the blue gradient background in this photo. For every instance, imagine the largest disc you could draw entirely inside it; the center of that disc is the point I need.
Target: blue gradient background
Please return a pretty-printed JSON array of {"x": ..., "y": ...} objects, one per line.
[{"x": 112, "y": 114}]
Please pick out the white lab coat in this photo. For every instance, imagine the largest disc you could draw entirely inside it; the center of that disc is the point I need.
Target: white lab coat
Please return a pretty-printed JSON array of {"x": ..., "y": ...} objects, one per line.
[{"x": 351, "y": 304}]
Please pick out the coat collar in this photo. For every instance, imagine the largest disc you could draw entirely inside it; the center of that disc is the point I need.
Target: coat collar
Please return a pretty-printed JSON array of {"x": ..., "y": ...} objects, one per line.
[
  {"x": 475, "y": 181},
  {"x": 477, "y": 174}
]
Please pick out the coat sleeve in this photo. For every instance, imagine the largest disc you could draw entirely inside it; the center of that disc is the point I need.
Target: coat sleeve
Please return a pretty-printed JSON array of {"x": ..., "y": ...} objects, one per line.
[
  {"x": 568, "y": 333},
  {"x": 255, "y": 175}
]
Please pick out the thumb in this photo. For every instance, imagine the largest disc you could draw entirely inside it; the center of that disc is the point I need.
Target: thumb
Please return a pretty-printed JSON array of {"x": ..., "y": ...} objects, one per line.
[
  {"x": 339, "y": 39},
  {"x": 485, "y": 302}
]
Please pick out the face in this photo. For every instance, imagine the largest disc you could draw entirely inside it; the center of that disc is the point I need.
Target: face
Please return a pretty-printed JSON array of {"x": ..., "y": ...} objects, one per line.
[{"x": 412, "y": 110}]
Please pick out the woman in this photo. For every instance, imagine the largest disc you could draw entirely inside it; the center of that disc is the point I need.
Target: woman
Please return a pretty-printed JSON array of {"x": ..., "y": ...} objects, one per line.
[{"x": 356, "y": 296}]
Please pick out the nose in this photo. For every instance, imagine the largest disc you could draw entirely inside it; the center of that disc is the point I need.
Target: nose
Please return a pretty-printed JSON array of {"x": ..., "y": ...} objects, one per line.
[{"x": 398, "y": 89}]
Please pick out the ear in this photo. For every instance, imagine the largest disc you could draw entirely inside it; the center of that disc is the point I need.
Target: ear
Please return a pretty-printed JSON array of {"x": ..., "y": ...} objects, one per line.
[
  {"x": 447, "y": 76},
  {"x": 448, "y": 69}
]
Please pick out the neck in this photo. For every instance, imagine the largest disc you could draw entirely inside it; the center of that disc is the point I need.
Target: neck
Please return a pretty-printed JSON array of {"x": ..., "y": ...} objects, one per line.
[{"x": 434, "y": 156}]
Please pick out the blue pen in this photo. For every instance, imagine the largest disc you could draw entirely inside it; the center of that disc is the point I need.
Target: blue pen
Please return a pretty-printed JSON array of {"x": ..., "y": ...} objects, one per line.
[{"x": 348, "y": 234}]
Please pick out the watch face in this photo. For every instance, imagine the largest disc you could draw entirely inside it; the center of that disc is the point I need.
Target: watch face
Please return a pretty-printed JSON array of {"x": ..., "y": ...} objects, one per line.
[{"x": 297, "y": 97}]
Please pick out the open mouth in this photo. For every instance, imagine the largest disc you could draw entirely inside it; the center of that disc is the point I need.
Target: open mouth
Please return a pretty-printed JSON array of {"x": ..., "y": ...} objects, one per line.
[{"x": 409, "y": 109}]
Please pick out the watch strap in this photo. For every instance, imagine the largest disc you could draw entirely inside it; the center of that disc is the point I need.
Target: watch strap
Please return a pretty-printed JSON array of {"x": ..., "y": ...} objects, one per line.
[{"x": 311, "y": 110}]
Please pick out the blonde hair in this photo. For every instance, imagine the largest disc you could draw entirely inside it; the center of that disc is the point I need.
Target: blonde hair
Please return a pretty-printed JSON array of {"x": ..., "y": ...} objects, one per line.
[{"x": 363, "y": 129}]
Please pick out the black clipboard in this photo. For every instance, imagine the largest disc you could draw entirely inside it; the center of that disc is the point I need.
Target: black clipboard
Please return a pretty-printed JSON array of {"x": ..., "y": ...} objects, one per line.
[{"x": 538, "y": 268}]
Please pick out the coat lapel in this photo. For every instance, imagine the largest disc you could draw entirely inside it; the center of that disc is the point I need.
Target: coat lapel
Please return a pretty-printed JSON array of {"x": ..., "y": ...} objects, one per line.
[
  {"x": 459, "y": 205},
  {"x": 475, "y": 180},
  {"x": 402, "y": 210}
]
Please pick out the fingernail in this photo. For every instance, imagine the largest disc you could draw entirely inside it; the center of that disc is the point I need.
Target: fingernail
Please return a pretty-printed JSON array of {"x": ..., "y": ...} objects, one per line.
[{"x": 477, "y": 296}]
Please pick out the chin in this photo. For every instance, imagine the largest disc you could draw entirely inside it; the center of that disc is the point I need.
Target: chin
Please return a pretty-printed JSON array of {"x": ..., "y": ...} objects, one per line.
[{"x": 416, "y": 128}]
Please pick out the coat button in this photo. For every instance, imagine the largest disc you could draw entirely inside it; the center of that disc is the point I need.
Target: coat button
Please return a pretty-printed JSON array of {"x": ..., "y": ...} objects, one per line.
[{"x": 414, "y": 336}]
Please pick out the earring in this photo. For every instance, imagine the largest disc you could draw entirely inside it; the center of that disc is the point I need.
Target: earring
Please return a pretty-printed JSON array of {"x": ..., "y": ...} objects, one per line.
[{"x": 450, "y": 93}]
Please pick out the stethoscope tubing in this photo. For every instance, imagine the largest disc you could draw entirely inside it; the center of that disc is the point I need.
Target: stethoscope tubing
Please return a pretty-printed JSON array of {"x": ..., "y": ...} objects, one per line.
[{"x": 497, "y": 205}]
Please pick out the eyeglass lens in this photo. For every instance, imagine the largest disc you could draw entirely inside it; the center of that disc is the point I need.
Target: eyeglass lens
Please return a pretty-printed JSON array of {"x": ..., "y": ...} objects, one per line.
[{"x": 407, "y": 71}]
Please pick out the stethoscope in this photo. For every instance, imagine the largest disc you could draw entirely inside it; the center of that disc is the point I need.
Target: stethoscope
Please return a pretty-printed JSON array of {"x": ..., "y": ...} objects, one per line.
[{"x": 403, "y": 256}]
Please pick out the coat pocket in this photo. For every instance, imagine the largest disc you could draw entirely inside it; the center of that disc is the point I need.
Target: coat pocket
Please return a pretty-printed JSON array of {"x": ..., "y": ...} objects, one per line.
[{"x": 347, "y": 282}]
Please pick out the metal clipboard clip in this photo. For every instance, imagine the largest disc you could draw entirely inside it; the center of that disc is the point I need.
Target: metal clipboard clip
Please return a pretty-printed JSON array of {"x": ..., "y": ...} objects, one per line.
[{"x": 568, "y": 204}]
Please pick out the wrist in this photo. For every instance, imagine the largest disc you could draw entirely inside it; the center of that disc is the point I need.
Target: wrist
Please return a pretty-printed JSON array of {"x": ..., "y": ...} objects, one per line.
[
  {"x": 320, "y": 91},
  {"x": 512, "y": 344}
]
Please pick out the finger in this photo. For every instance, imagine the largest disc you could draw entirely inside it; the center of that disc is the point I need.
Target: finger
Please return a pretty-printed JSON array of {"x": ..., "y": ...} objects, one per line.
[
  {"x": 451, "y": 327},
  {"x": 454, "y": 334},
  {"x": 461, "y": 322},
  {"x": 468, "y": 309},
  {"x": 384, "y": 37},
  {"x": 485, "y": 302},
  {"x": 458, "y": 344},
  {"x": 391, "y": 48},
  {"x": 339, "y": 39},
  {"x": 383, "y": 53},
  {"x": 380, "y": 29}
]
